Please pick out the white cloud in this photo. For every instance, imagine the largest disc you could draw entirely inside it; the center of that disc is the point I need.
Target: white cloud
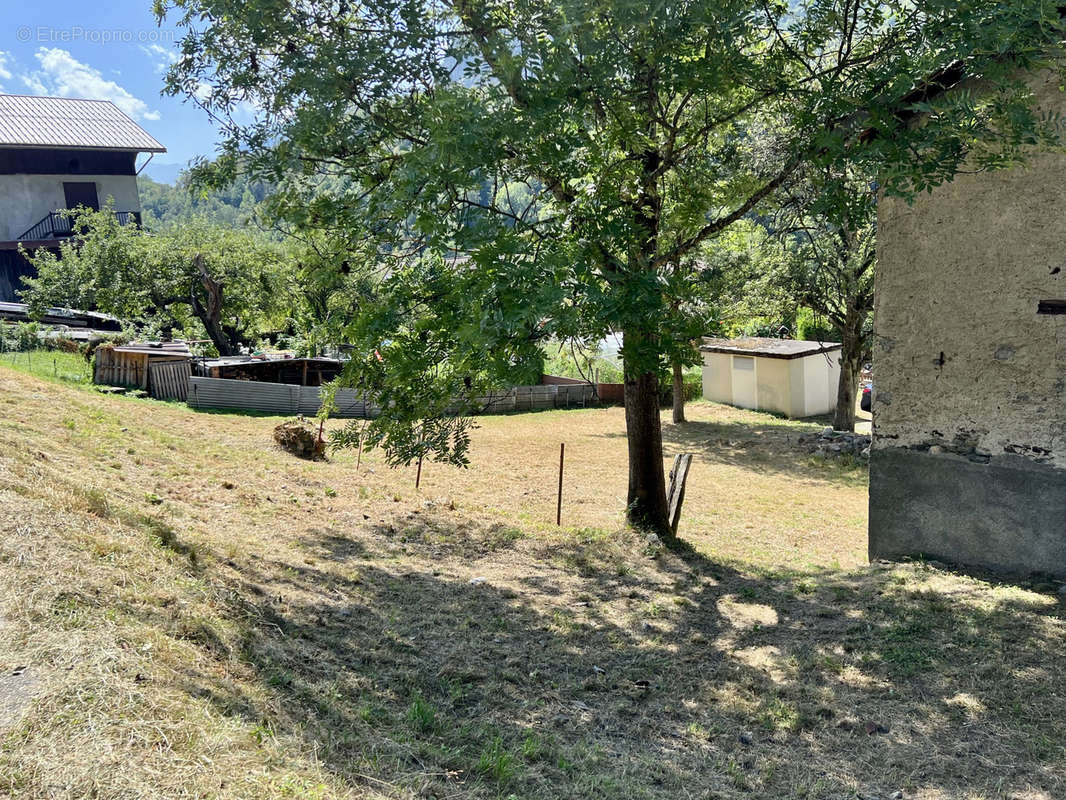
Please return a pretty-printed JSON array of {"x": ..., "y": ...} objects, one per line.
[
  {"x": 162, "y": 57},
  {"x": 5, "y": 70},
  {"x": 62, "y": 75}
]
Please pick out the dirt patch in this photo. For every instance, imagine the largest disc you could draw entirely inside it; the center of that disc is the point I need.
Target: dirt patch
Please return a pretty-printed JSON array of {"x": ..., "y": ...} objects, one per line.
[{"x": 17, "y": 689}]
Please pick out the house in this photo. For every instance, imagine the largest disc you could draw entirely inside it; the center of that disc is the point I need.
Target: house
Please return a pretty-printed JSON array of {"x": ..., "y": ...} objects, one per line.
[
  {"x": 968, "y": 462},
  {"x": 58, "y": 153},
  {"x": 785, "y": 376}
]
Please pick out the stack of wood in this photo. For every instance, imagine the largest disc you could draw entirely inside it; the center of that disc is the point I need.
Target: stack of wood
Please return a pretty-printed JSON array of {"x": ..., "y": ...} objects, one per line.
[{"x": 301, "y": 439}]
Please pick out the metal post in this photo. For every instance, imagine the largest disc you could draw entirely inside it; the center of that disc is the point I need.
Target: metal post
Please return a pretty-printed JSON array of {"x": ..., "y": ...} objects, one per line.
[
  {"x": 418, "y": 475},
  {"x": 559, "y": 501}
]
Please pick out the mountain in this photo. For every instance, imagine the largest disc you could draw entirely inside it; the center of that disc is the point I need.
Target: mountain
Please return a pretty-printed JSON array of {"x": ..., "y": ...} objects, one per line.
[{"x": 162, "y": 172}]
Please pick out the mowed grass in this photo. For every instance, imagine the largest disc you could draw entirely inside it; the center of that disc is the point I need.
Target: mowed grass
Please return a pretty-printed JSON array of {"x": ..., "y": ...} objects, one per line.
[{"x": 186, "y": 611}]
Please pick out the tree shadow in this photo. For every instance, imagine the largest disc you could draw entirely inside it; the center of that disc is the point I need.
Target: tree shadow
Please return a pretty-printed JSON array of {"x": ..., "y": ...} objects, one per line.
[
  {"x": 772, "y": 448},
  {"x": 591, "y": 669}
]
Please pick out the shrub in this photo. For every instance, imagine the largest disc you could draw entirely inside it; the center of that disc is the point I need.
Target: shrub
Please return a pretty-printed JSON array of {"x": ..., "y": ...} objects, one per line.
[{"x": 814, "y": 328}]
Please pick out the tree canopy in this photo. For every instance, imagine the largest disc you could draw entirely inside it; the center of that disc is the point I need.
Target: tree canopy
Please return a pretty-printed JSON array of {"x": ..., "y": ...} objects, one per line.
[
  {"x": 513, "y": 171},
  {"x": 233, "y": 283}
]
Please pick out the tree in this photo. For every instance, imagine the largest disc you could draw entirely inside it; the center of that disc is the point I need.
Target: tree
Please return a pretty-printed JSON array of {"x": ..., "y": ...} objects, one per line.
[
  {"x": 631, "y": 128},
  {"x": 829, "y": 226},
  {"x": 228, "y": 280}
]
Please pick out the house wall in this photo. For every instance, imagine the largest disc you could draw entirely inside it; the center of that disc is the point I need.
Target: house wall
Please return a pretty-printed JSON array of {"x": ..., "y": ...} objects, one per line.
[
  {"x": 774, "y": 381},
  {"x": 717, "y": 378},
  {"x": 26, "y": 199},
  {"x": 968, "y": 462},
  {"x": 821, "y": 377}
]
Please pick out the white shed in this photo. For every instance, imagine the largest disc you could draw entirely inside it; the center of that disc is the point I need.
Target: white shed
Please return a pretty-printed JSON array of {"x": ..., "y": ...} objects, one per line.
[{"x": 797, "y": 379}]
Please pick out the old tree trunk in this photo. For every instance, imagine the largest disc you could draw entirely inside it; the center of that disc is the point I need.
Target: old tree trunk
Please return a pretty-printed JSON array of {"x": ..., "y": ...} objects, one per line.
[
  {"x": 679, "y": 394},
  {"x": 209, "y": 310},
  {"x": 646, "y": 501},
  {"x": 850, "y": 366}
]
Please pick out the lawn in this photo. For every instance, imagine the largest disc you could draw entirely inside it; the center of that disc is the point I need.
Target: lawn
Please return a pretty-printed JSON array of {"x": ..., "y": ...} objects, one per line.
[{"x": 187, "y": 611}]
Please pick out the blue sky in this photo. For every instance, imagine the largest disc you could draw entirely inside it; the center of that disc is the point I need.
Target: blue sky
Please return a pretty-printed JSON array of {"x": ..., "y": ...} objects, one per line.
[{"x": 108, "y": 51}]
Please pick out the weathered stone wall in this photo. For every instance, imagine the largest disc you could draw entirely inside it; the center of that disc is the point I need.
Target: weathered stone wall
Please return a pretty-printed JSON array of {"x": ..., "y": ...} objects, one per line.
[{"x": 969, "y": 453}]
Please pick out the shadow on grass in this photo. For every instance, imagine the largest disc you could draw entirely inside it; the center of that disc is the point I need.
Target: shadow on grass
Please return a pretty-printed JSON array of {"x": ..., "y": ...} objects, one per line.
[
  {"x": 586, "y": 670},
  {"x": 771, "y": 447}
]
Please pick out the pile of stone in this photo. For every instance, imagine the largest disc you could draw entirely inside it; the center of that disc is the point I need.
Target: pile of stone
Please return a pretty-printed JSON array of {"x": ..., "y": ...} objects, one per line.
[{"x": 835, "y": 444}]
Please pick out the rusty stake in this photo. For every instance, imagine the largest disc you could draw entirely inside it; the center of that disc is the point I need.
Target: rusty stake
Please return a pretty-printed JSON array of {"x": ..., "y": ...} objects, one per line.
[{"x": 559, "y": 501}]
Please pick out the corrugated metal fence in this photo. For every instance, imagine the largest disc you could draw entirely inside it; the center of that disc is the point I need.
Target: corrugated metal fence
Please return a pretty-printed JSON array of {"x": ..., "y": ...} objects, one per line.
[
  {"x": 277, "y": 398},
  {"x": 288, "y": 399}
]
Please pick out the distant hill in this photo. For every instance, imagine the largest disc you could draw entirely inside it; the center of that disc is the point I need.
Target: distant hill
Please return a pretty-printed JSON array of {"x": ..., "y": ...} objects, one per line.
[
  {"x": 162, "y": 172},
  {"x": 163, "y": 203}
]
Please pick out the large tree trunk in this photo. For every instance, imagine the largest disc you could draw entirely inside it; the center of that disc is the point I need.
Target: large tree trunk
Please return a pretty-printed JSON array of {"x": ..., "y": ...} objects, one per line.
[
  {"x": 679, "y": 394},
  {"x": 647, "y": 507},
  {"x": 210, "y": 312},
  {"x": 850, "y": 366}
]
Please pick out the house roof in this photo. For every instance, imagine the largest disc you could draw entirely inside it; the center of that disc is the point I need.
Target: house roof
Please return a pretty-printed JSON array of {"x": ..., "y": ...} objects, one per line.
[
  {"x": 70, "y": 123},
  {"x": 767, "y": 348}
]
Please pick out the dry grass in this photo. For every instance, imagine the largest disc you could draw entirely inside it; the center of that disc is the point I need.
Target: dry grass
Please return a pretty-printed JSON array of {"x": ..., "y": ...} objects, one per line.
[{"x": 202, "y": 615}]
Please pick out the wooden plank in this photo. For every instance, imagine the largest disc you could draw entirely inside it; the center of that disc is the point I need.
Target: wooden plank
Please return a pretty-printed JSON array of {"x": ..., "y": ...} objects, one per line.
[
  {"x": 169, "y": 380},
  {"x": 676, "y": 495}
]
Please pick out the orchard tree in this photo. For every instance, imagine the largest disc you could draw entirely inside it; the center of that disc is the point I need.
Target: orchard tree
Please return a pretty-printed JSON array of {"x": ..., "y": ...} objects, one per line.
[
  {"x": 533, "y": 169},
  {"x": 828, "y": 228},
  {"x": 228, "y": 280}
]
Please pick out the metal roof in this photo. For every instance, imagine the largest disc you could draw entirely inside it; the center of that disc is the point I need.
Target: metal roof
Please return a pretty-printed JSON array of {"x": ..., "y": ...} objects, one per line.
[
  {"x": 769, "y": 348},
  {"x": 178, "y": 348},
  {"x": 70, "y": 123}
]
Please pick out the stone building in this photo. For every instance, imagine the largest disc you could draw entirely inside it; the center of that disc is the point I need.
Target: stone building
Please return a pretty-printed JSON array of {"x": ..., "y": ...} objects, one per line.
[
  {"x": 969, "y": 455},
  {"x": 58, "y": 153}
]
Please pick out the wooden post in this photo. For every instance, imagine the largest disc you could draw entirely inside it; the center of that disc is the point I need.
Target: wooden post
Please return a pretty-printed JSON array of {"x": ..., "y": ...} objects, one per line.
[
  {"x": 676, "y": 494},
  {"x": 559, "y": 500}
]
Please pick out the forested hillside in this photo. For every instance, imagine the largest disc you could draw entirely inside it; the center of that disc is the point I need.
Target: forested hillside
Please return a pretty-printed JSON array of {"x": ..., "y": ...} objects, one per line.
[{"x": 162, "y": 203}]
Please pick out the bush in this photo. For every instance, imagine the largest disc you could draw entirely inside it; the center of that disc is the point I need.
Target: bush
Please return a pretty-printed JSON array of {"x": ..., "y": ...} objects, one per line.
[
  {"x": 813, "y": 328},
  {"x": 21, "y": 337}
]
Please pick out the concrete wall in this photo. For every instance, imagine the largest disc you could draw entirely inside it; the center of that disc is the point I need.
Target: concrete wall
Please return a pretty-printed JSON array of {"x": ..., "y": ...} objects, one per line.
[
  {"x": 774, "y": 382},
  {"x": 969, "y": 453},
  {"x": 26, "y": 199},
  {"x": 821, "y": 378},
  {"x": 717, "y": 378}
]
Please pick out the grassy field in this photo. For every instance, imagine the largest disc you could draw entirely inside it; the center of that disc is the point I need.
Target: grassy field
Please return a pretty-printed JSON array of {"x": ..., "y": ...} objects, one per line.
[{"x": 187, "y": 611}]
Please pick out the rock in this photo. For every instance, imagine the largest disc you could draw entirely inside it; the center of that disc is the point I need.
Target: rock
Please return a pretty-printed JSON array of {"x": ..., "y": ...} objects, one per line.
[{"x": 827, "y": 431}]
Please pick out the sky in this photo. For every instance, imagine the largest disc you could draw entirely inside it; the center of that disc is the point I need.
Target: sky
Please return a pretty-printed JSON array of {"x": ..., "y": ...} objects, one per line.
[{"x": 112, "y": 50}]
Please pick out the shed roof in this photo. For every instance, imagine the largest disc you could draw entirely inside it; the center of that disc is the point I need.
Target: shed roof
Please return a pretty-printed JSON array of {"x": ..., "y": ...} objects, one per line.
[
  {"x": 70, "y": 123},
  {"x": 767, "y": 348},
  {"x": 154, "y": 348}
]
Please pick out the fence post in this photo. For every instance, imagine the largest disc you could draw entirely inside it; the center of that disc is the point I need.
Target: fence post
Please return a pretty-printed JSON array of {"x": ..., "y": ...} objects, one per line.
[{"x": 559, "y": 500}]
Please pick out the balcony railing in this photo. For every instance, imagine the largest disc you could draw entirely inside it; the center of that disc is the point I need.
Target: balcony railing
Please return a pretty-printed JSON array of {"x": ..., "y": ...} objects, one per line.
[{"x": 58, "y": 225}]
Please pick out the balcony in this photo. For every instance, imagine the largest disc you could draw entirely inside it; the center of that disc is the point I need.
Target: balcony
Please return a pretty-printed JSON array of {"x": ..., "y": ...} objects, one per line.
[{"x": 58, "y": 225}]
